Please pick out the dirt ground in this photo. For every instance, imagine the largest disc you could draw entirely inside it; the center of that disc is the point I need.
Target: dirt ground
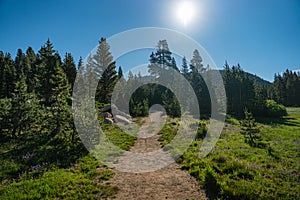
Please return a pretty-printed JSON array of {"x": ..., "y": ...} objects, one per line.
[{"x": 169, "y": 182}]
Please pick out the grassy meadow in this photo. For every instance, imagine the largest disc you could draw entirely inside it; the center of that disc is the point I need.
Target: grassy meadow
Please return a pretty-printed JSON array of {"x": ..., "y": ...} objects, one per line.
[
  {"x": 38, "y": 169},
  {"x": 235, "y": 170}
]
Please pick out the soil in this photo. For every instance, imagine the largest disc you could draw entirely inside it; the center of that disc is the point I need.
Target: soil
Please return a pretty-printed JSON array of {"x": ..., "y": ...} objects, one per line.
[{"x": 169, "y": 182}]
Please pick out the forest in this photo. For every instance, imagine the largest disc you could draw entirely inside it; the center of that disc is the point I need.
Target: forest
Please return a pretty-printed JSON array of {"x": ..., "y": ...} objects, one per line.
[{"x": 39, "y": 138}]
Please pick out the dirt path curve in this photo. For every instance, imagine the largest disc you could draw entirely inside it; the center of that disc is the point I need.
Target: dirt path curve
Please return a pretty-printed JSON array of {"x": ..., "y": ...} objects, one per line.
[{"x": 168, "y": 183}]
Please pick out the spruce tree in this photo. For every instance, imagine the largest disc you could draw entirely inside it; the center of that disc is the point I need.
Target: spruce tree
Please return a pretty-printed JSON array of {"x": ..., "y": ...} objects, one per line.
[
  {"x": 32, "y": 76},
  {"x": 20, "y": 64},
  {"x": 62, "y": 120},
  {"x": 185, "y": 68},
  {"x": 196, "y": 62},
  {"x": 101, "y": 67},
  {"x": 249, "y": 129},
  {"x": 7, "y": 75},
  {"x": 196, "y": 78},
  {"x": 2, "y": 76},
  {"x": 107, "y": 84},
  {"x": 174, "y": 65},
  {"x": 80, "y": 82},
  {"x": 69, "y": 68},
  {"x": 120, "y": 73},
  {"x": 161, "y": 60},
  {"x": 102, "y": 58},
  {"x": 260, "y": 92},
  {"x": 25, "y": 109},
  {"x": 239, "y": 89},
  {"x": 163, "y": 54},
  {"x": 47, "y": 61}
]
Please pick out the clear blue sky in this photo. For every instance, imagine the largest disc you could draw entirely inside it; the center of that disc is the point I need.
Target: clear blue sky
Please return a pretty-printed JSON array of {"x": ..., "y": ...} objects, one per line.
[{"x": 262, "y": 35}]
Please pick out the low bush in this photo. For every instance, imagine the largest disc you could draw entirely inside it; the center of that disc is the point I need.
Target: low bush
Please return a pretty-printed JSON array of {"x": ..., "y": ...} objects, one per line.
[
  {"x": 273, "y": 109},
  {"x": 202, "y": 130}
]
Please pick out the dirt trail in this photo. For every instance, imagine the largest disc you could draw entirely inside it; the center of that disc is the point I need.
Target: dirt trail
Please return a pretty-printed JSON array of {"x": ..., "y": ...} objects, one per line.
[{"x": 167, "y": 183}]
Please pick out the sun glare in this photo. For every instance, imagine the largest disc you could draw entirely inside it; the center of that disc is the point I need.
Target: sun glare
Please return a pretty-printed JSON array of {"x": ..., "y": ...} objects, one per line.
[{"x": 185, "y": 12}]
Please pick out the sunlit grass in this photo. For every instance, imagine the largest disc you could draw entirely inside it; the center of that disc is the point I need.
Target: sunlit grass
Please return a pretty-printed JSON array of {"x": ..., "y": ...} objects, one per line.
[
  {"x": 82, "y": 181},
  {"x": 235, "y": 170},
  {"x": 293, "y": 111}
]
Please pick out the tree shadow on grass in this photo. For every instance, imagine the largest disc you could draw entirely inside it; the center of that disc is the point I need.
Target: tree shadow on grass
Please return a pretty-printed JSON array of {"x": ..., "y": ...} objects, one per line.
[
  {"x": 287, "y": 120},
  {"x": 37, "y": 155}
]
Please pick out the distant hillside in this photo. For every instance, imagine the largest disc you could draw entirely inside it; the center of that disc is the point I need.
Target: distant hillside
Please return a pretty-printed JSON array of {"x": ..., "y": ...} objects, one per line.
[
  {"x": 148, "y": 78},
  {"x": 252, "y": 76}
]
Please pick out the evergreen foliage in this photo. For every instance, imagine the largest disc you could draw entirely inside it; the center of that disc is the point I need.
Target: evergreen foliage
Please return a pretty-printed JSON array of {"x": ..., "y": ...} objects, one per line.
[
  {"x": 249, "y": 129},
  {"x": 285, "y": 89},
  {"x": 185, "y": 68},
  {"x": 101, "y": 67},
  {"x": 36, "y": 88},
  {"x": 69, "y": 68}
]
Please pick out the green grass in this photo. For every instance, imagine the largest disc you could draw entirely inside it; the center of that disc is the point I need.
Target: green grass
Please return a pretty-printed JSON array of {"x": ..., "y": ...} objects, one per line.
[
  {"x": 169, "y": 130},
  {"x": 82, "y": 181},
  {"x": 234, "y": 170},
  {"x": 35, "y": 168},
  {"x": 293, "y": 111},
  {"x": 118, "y": 137}
]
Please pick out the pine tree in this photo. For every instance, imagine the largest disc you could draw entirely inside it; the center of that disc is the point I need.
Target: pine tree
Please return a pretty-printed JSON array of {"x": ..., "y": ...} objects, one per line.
[
  {"x": 47, "y": 61},
  {"x": 161, "y": 60},
  {"x": 80, "y": 90},
  {"x": 2, "y": 76},
  {"x": 101, "y": 65},
  {"x": 20, "y": 64},
  {"x": 171, "y": 104},
  {"x": 196, "y": 62},
  {"x": 102, "y": 58},
  {"x": 90, "y": 78},
  {"x": 69, "y": 68},
  {"x": 185, "y": 68},
  {"x": 32, "y": 75},
  {"x": 25, "y": 109},
  {"x": 196, "y": 78},
  {"x": 7, "y": 75},
  {"x": 120, "y": 73},
  {"x": 62, "y": 120},
  {"x": 163, "y": 54},
  {"x": 260, "y": 92},
  {"x": 239, "y": 89},
  {"x": 279, "y": 89},
  {"x": 249, "y": 129},
  {"x": 285, "y": 88},
  {"x": 174, "y": 65},
  {"x": 107, "y": 84}
]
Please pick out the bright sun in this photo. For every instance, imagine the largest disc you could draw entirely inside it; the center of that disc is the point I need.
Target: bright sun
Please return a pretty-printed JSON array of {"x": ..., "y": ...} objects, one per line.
[{"x": 185, "y": 12}]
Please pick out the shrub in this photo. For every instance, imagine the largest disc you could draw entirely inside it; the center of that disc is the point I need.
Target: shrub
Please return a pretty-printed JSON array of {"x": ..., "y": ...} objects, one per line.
[
  {"x": 220, "y": 159},
  {"x": 273, "y": 109},
  {"x": 232, "y": 167},
  {"x": 202, "y": 130},
  {"x": 211, "y": 184}
]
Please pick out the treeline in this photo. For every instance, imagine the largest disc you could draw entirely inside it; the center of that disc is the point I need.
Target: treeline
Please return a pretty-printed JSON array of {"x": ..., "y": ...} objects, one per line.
[
  {"x": 35, "y": 96},
  {"x": 36, "y": 89},
  {"x": 243, "y": 90},
  {"x": 163, "y": 67},
  {"x": 286, "y": 88},
  {"x": 260, "y": 97}
]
